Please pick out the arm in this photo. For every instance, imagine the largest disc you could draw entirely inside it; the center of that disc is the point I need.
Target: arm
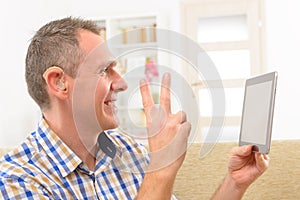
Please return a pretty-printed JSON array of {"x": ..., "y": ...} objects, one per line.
[
  {"x": 167, "y": 137},
  {"x": 244, "y": 168}
]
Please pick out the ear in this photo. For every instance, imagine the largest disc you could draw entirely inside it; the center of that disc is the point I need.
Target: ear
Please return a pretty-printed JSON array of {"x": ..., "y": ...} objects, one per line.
[{"x": 56, "y": 83}]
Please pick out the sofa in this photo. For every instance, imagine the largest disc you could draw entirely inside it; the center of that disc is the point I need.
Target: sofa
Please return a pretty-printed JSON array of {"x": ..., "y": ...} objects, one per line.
[{"x": 199, "y": 178}]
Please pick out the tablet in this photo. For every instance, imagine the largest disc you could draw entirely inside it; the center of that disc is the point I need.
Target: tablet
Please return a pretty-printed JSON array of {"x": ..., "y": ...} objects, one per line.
[{"x": 257, "y": 116}]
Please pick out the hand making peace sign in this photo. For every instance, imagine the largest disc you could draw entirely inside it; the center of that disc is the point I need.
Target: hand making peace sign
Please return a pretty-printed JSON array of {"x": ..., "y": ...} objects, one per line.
[{"x": 167, "y": 133}]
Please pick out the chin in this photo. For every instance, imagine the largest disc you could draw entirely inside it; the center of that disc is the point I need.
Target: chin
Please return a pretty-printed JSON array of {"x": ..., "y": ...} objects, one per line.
[{"x": 110, "y": 125}]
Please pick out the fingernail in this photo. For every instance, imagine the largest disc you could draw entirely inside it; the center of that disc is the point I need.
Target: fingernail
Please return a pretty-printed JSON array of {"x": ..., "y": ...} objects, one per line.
[
  {"x": 143, "y": 81},
  {"x": 167, "y": 75}
]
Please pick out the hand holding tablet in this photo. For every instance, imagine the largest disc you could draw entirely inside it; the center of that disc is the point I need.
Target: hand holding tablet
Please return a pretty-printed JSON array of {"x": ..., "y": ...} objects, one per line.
[{"x": 257, "y": 117}]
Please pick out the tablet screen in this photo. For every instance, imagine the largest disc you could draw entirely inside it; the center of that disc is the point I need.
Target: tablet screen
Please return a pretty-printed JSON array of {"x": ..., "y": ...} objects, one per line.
[
  {"x": 256, "y": 112},
  {"x": 257, "y": 118}
]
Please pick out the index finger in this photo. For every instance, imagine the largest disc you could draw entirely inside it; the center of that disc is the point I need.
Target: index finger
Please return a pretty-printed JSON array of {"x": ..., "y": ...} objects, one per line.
[
  {"x": 242, "y": 150},
  {"x": 146, "y": 97},
  {"x": 165, "y": 101}
]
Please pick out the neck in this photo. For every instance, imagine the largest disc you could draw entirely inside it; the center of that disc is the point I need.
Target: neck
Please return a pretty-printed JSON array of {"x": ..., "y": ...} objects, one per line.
[{"x": 82, "y": 144}]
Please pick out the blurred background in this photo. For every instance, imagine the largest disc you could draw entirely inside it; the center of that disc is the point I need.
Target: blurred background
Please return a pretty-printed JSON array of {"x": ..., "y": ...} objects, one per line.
[{"x": 243, "y": 38}]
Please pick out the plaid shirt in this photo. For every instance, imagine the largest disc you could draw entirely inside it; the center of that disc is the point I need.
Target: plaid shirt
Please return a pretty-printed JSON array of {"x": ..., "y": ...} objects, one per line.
[{"x": 43, "y": 167}]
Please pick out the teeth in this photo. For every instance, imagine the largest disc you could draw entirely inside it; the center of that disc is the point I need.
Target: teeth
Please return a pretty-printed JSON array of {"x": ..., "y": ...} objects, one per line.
[{"x": 110, "y": 103}]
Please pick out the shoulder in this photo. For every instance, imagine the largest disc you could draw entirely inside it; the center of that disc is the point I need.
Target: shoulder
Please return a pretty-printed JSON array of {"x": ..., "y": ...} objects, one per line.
[
  {"x": 14, "y": 187},
  {"x": 17, "y": 163},
  {"x": 20, "y": 175}
]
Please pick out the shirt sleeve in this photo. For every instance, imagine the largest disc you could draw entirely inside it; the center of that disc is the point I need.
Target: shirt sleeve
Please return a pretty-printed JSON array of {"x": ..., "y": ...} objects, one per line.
[{"x": 19, "y": 189}]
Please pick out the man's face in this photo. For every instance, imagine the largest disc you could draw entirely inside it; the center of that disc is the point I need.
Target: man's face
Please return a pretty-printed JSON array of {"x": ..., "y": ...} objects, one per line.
[
  {"x": 96, "y": 86},
  {"x": 109, "y": 84}
]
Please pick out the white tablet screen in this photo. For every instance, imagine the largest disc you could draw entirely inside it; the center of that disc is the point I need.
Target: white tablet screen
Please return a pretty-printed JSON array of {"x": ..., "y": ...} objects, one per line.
[{"x": 256, "y": 112}]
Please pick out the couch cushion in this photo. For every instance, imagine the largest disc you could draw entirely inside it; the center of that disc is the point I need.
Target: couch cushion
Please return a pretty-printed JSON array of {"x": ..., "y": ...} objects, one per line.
[{"x": 198, "y": 179}]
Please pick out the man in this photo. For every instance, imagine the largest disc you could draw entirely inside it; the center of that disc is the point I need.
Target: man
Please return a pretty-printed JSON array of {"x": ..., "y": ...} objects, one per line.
[{"x": 70, "y": 74}]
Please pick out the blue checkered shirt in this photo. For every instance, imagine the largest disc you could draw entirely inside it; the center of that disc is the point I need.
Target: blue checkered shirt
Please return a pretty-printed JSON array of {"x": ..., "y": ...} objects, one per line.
[{"x": 43, "y": 167}]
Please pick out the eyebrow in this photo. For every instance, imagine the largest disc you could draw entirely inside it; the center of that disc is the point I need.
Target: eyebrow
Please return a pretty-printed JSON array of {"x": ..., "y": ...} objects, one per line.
[
  {"x": 110, "y": 62},
  {"x": 106, "y": 65}
]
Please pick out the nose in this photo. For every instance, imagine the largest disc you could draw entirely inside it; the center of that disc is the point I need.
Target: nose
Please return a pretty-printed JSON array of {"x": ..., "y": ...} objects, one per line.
[{"x": 119, "y": 84}]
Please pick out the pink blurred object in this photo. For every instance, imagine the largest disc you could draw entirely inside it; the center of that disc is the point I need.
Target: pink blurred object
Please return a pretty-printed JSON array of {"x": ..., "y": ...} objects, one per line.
[{"x": 151, "y": 70}]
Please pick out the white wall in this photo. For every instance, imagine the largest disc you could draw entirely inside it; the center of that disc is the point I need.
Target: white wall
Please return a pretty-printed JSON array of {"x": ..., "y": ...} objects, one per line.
[
  {"x": 283, "y": 55},
  {"x": 19, "y": 20}
]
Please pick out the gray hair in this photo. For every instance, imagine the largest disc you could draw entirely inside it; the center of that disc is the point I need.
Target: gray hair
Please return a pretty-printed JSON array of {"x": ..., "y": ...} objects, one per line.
[{"x": 55, "y": 44}]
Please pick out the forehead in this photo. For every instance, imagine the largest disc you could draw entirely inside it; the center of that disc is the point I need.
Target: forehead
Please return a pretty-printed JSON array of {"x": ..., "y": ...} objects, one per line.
[
  {"x": 95, "y": 49},
  {"x": 88, "y": 40}
]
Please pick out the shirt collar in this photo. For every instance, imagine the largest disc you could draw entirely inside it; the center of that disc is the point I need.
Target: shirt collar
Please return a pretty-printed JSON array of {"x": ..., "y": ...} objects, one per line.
[
  {"x": 103, "y": 160},
  {"x": 66, "y": 160}
]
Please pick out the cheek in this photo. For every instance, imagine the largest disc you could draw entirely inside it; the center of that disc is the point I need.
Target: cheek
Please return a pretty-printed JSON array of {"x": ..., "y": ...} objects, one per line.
[{"x": 102, "y": 91}]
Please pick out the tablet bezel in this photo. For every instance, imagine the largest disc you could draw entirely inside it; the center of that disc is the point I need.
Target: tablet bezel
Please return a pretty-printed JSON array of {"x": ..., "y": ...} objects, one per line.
[{"x": 262, "y": 148}]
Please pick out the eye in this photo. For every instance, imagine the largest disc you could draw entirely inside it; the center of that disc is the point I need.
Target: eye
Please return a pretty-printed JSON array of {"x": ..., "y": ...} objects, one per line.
[{"x": 106, "y": 70}]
